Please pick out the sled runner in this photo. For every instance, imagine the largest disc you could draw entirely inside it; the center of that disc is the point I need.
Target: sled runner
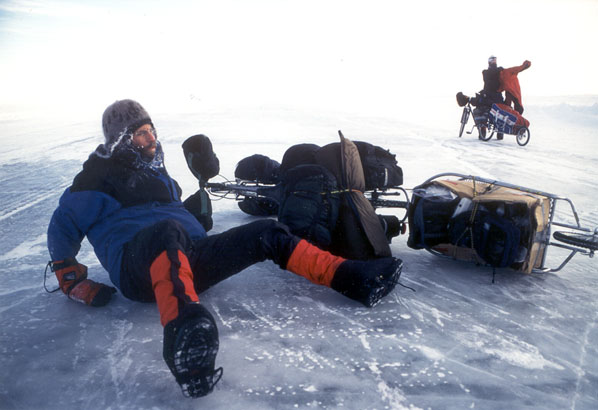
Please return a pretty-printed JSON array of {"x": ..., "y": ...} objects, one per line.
[
  {"x": 499, "y": 118},
  {"x": 493, "y": 223}
]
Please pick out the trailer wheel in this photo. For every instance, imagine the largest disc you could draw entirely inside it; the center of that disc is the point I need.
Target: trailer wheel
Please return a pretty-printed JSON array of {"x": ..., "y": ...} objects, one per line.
[{"x": 523, "y": 136}]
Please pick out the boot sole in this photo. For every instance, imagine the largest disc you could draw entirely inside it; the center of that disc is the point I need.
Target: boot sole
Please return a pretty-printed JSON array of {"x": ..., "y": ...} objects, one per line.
[
  {"x": 385, "y": 285},
  {"x": 193, "y": 358}
]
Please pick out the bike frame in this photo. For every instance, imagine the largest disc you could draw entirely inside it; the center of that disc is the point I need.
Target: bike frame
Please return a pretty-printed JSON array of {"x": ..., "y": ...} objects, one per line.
[{"x": 378, "y": 198}]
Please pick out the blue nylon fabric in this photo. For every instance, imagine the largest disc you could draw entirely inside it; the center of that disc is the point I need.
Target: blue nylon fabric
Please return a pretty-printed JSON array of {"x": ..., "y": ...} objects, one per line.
[{"x": 108, "y": 225}]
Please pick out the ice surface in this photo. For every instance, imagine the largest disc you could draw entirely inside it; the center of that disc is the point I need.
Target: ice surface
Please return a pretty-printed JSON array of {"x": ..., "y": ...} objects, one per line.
[{"x": 458, "y": 341}]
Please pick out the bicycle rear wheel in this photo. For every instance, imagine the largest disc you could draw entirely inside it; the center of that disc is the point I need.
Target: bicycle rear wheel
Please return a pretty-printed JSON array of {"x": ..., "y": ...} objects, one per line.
[
  {"x": 582, "y": 240},
  {"x": 485, "y": 134}
]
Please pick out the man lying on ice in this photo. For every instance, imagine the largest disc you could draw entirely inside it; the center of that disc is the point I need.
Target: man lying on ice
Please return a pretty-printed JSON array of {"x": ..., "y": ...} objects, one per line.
[{"x": 154, "y": 249}]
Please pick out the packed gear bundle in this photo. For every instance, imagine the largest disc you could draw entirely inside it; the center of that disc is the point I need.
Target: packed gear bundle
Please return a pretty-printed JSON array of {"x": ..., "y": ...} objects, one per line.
[
  {"x": 319, "y": 194},
  {"x": 310, "y": 203},
  {"x": 488, "y": 223},
  {"x": 506, "y": 119}
]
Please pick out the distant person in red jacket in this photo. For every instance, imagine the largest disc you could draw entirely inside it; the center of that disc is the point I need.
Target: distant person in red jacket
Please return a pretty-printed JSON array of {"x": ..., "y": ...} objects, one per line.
[{"x": 509, "y": 83}]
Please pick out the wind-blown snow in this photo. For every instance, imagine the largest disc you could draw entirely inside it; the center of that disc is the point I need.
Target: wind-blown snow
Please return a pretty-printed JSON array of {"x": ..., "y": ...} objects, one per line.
[{"x": 458, "y": 341}]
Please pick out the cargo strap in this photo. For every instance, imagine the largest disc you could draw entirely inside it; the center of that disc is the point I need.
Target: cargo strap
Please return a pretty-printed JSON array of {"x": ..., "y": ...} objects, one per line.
[
  {"x": 471, "y": 221},
  {"x": 342, "y": 191}
]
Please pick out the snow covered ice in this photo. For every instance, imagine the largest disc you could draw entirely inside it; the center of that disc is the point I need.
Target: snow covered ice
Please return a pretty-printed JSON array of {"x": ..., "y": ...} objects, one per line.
[{"x": 458, "y": 341}]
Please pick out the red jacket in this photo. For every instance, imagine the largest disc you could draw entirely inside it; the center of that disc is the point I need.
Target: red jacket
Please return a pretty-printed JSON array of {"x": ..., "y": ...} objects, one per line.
[{"x": 509, "y": 81}]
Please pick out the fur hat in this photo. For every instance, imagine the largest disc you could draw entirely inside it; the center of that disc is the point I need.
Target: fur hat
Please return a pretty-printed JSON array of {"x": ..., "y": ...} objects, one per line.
[{"x": 122, "y": 118}]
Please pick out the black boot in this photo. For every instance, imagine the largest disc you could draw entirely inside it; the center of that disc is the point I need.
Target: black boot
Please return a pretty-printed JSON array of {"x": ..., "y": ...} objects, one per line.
[
  {"x": 190, "y": 348},
  {"x": 367, "y": 281}
]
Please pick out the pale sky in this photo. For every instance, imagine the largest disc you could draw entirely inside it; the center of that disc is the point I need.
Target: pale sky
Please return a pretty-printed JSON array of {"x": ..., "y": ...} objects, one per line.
[{"x": 72, "y": 54}]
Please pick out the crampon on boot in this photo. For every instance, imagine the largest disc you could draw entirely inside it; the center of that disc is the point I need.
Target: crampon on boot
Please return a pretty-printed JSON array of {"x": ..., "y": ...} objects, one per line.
[
  {"x": 367, "y": 281},
  {"x": 190, "y": 348}
]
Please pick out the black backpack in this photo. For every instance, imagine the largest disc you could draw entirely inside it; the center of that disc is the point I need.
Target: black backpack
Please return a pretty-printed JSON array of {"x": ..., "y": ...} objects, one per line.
[
  {"x": 429, "y": 216},
  {"x": 309, "y": 205},
  {"x": 380, "y": 166},
  {"x": 258, "y": 168},
  {"x": 299, "y": 154},
  {"x": 495, "y": 239}
]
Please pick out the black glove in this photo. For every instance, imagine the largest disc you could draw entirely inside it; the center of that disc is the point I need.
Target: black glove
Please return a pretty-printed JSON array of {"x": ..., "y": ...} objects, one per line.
[
  {"x": 201, "y": 159},
  {"x": 200, "y": 206}
]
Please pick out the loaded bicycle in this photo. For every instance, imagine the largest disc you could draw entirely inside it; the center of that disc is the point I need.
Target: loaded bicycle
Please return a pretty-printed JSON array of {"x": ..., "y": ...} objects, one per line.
[
  {"x": 498, "y": 119},
  {"x": 448, "y": 214}
]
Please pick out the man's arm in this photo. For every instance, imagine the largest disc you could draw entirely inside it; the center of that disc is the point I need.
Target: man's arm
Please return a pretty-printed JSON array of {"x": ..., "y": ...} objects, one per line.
[
  {"x": 517, "y": 69},
  {"x": 74, "y": 216}
]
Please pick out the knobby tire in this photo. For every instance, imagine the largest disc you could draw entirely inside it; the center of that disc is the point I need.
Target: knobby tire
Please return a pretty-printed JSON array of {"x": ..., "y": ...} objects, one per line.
[{"x": 582, "y": 240}]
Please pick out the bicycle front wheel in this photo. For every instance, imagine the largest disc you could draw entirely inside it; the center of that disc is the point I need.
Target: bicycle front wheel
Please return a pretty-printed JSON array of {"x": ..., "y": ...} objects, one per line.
[{"x": 464, "y": 118}]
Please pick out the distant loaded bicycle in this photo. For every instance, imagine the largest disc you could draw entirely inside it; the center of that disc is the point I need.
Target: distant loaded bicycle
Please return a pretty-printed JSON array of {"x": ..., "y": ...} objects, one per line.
[{"x": 499, "y": 119}]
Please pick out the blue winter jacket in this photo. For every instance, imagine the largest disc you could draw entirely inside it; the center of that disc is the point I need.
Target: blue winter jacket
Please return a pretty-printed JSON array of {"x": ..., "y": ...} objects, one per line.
[{"x": 110, "y": 201}]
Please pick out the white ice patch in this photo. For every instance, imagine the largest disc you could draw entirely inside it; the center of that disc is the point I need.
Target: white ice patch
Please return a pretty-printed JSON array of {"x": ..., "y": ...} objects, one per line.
[
  {"x": 531, "y": 359},
  {"x": 508, "y": 348},
  {"x": 26, "y": 248},
  {"x": 431, "y": 353},
  {"x": 364, "y": 342},
  {"x": 394, "y": 397},
  {"x": 436, "y": 315}
]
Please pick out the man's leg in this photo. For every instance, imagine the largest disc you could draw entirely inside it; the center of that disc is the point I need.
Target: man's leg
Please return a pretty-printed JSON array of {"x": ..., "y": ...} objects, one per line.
[
  {"x": 508, "y": 98},
  {"x": 220, "y": 256},
  {"x": 518, "y": 106},
  {"x": 155, "y": 267}
]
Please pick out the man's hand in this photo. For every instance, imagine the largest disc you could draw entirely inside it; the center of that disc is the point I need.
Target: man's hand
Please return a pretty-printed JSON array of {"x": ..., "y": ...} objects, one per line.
[
  {"x": 200, "y": 157},
  {"x": 72, "y": 279},
  {"x": 200, "y": 206}
]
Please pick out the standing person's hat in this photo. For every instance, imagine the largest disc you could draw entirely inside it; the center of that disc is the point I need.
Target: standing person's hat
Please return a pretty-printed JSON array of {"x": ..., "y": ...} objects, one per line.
[{"x": 492, "y": 60}]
